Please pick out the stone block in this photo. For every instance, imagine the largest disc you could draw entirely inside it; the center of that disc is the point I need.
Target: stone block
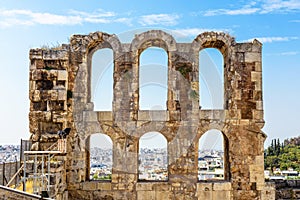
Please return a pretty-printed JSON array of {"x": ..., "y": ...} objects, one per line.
[
  {"x": 105, "y": 116},
  {"x": 268, "y": 194},
  {"x": 35, "y": 54},
  {"x": 204, "y": 186},
  {"x": 258, "y": 66},
  {"x": 146, "y": 195},
  {"x": 53, "y": 95},
  {"x": 162, "y": 195},
  {"x": 238, "y": 95},
  {"x": 195, "y": 85},
  {"x": 104, "y": 186},
  {"x": 244, "y": 122},
  {"x": 143, "y": 116},
  {"x": 144, "y": 186},
  {"x": 90, "y": 116},
  {"x": 176, "y": 185},
  {"x": 258, "y": 114},
  {"x": 259, "y": 105},
  {"x": 207, "y": 195},
  {"x": 257, "y": 173},
  {"x": 256, "y": 76},
  {"x": 217, "y": 195},
  {"x": 161, "y": 186},
  {"x": 73, "y": 186},
  {"x": 257, "y": 46},
  {"x": 90, "y": 186},
  {"x": 206, "y": 114},
  {"x": 258, "y": 85},
  {"x": 251, "y": 57},
  {"x": 114, "y": 178},
  {"x": 158, "y": 115},
  {"x": 32, "y": 85},
  {"x": 35, "y": 95},
  {"x": 62, "y": 95},
  {"x": 58, "y": 117},
  {"x": 62, "y": 75},
  {"x": 52, "y": 74},
  {"x": 52, "y": 54},
  {"x": 222, "y": 186},
  {"x": 259, "y": 160}
]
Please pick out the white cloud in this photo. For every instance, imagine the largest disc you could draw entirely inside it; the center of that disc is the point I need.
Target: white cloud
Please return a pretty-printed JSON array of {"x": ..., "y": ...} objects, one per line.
[
  {"x": 288, "y": 53},
  {"x": 242, "y": 11},
  {"x": 193, "y": 32},
  {"x": 259, "y": 7},
  {"x": 280, "y": 6},
  {"x": 27, "y": 17},
  {"x": 295, "y": 21},
  {"x": 159, "y": 19},
  {"x": 272, "y": 39},
  {"x": 97, "y": 14}
]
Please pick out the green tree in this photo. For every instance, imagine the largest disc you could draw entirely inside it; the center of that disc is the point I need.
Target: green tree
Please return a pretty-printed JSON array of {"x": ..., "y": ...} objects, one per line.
[{"x": 283, "y": 156}]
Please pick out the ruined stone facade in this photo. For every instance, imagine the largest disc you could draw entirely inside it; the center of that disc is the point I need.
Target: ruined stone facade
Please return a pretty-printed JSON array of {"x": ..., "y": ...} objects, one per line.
[{"x": 60, "y": 95}]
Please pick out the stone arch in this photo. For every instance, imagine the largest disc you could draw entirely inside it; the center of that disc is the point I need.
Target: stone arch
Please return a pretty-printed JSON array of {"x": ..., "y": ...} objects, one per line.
[
  {"x": 156, "y": 157},
  {"x": 159, "y": 127},
  {"x": 153, "y": 38},
  {"x": 220, "y": 41},
  {"x": 84, "y": 46},
  {"x": 226, "y": 163},
  {"x": 153, "y": 76},
  {"x": 88, "y": 151},
  {"x": 211, "y": 79},
  {"x": 107, "y": 41},
  {"x": 224, "y": 43},
  {"x": 101, "y": 69},
  {"x": 87, "y": 46}
]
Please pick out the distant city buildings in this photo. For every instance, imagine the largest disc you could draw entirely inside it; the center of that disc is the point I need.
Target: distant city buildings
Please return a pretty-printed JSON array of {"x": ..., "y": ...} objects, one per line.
[
  {"x": 9, "y": 153},
  {"x": 210, "y": 165},
  {"x": 278, "y": 174},
  {"x": 153, "y": 164},
  {"x": 101, "y": 163}
]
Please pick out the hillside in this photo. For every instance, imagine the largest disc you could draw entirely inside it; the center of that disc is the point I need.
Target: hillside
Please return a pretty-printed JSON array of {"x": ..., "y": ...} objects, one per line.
[{"x": 283, "y": 155}]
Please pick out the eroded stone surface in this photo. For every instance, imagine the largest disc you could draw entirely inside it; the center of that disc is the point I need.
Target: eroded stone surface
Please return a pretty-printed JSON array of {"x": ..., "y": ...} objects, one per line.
[{"x": 60, "y": 97}]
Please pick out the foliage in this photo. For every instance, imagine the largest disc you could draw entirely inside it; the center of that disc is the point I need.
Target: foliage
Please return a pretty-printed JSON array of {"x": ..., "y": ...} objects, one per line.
[
  {"x": 184, "y": 70},
  {"x": 103, "y": 177},
  {"x": 194, "y": 94},
  {"x": 283, "y": 155}
]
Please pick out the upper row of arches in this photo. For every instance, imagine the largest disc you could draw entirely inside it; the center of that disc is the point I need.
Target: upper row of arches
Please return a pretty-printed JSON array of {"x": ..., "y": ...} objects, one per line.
[
  {"x": 153, "y": 79},
  {"x": 159, "y": 38}
]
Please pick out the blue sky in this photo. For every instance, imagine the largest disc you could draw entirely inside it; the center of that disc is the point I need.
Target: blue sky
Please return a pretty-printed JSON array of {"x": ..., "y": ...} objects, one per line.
[{"x": 31, "y": 23}]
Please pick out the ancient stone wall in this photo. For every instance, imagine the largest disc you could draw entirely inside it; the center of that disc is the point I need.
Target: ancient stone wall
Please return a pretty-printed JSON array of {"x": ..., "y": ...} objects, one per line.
[
  {"x": 13, "y": 194},
  {"x": 287, "y": 189},
  {"x": 60, "y": 94}
]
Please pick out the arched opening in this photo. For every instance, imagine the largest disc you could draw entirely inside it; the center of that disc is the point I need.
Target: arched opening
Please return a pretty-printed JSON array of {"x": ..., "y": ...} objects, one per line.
[
  {"x": 101, "y": 157},
  {"x": 153, "y": 79},
  {"x": 211, "y": 79},
  {"x": 213, "y": 156},
  {"x": 153, "y": 157},
  {"x": 102, "y": 79}
]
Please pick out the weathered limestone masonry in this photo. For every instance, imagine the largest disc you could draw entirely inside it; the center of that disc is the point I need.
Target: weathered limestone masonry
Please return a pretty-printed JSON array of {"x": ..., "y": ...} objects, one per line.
[
  {"x": 60, "y": 94},
  {"x": 13, "y": 194}
]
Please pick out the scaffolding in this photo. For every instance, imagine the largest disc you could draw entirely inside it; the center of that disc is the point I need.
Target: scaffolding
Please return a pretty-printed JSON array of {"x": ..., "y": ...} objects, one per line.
[
  {"x": 40, "y": 166},
  {"x": 40, "y": 172}
]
